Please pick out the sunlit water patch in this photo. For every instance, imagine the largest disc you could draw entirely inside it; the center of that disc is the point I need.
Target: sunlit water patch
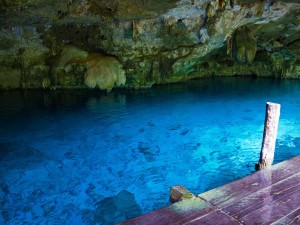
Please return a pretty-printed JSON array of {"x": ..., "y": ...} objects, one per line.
[{"x": 82, "y": 157}]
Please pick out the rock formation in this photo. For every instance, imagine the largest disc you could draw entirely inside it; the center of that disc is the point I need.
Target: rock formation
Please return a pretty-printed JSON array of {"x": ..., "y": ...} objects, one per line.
[{"x": 72, "y": 44}]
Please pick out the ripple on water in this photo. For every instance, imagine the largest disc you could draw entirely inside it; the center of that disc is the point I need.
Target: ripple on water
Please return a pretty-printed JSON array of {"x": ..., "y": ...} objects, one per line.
[{"x": 80, "y": 155}]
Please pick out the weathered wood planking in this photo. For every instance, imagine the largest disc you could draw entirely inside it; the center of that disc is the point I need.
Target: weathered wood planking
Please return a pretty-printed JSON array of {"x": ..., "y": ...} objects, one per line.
[
  {"x": 290, "y": 219},
  {"x": 237, "y": 190},
  {"x": 178, "y": 213},
  {"x": 269, "y": 196},
  {"x": 215, "y": 218},
  {"x": 281, "y": 190}
]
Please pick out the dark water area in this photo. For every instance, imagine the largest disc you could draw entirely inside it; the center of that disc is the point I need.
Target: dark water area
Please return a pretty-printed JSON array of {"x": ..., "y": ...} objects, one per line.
[{"x": 87, "y": 157}]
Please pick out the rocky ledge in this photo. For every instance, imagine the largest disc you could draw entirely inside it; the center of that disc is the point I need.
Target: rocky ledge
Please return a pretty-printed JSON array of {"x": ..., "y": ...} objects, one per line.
[{"x": 138, "y": 43}]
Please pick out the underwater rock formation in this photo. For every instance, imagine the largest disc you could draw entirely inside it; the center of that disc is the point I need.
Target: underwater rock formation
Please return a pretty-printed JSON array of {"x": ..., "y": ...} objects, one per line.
[
  {"x": 151, "y": 41},
  {"x": 123, "y": 204}
]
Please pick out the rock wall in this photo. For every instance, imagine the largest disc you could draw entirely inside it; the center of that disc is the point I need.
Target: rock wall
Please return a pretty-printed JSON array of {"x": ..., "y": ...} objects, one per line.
[{"x": 138, "y": 43}]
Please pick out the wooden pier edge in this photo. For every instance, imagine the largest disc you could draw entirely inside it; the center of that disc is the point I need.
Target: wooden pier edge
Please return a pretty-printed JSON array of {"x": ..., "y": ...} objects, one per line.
[{"x": 268, "y": 196}]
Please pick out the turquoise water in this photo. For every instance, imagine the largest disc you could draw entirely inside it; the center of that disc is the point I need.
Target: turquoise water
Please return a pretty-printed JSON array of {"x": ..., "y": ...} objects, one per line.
[{"x": 84, "y": 157}]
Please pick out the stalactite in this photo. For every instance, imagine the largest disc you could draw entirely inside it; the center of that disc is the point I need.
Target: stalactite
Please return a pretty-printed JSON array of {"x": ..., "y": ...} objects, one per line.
[
  {"x": 229, "y": 46},
  {"x": 23, "y": 80},
  {"x": 46, "y": 82},
  {"x": 169, "y": 22},
  {"x": 209, "y": 10},
  {"x": 18, "y": 33},
  {"x": 232, "y": 3},
  {"x": 136, "y": 30},
  {"x": 222, "y": 4},
  {"x": 244, "y": 45},
  {"x": 259, "y": 7}
]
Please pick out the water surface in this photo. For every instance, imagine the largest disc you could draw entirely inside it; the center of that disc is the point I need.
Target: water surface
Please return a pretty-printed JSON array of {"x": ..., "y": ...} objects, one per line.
[{"x": 85, "y": 157}]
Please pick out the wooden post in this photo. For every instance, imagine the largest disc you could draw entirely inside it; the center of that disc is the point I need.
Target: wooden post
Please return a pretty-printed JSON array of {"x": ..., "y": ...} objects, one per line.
[{"x": 269, "y": 138}]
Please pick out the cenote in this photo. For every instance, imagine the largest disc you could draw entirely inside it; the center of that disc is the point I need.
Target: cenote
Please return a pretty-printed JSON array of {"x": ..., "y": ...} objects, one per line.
[{"x": 86, "y": 157}]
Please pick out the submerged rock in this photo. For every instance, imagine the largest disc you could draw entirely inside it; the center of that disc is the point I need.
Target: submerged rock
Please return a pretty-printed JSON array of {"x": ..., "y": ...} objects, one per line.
[
  {"x": 122, "y": 205},
  {"x": 4, "y": 191}
]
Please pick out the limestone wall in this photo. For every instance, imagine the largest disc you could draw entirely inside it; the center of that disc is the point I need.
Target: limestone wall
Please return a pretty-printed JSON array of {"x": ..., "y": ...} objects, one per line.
[{"x": 150, "y": 41}]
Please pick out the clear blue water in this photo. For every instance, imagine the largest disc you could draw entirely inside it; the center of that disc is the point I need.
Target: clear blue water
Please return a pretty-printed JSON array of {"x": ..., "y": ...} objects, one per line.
[{"x": 83, "y": 157}]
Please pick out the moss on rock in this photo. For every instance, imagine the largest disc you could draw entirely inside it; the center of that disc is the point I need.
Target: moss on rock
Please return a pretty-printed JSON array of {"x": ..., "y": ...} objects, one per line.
[
  {"x": 283, "y": 65},
  {"x": 70, "y": 54},
  {"x": 9, "y": 78},
  {"x": 64, "y": 66}
]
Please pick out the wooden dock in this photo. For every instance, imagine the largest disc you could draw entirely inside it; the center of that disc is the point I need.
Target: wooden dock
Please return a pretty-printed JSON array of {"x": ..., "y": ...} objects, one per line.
[{"x": 269, "y": 196}]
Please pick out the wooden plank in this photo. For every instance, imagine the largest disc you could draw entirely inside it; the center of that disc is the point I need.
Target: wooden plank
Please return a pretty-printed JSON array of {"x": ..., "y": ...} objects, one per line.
[
  {"x": 215, "y": 218},
  {"x": 265, "y": 196},
  {"x": 291, "y": 219},
  {"x": 230, "y": 193},
  {"x": 270, "y": 213},
  {"x": 177, "y": 213}
]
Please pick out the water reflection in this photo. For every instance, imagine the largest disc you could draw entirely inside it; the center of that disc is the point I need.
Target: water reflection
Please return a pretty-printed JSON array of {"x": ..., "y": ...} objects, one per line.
[{"x": 108, "y": 107}]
